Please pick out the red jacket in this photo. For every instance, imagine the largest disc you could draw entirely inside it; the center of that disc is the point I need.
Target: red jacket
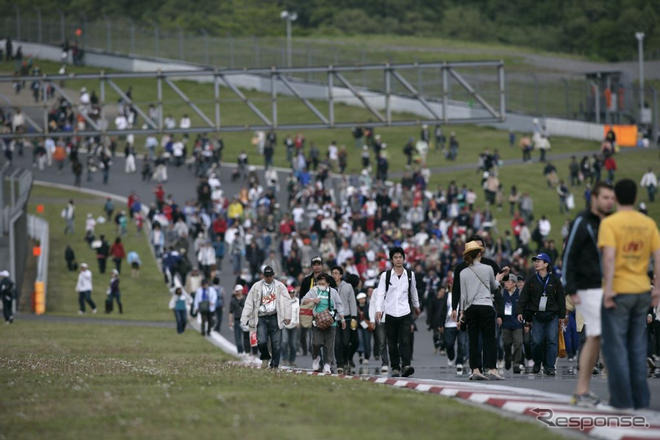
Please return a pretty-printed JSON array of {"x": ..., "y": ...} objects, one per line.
[{"x": 117, "y": 251}]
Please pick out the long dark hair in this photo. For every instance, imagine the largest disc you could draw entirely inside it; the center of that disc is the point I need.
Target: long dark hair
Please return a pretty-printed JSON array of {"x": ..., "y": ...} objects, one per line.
[{"x": 471, "y": 256}]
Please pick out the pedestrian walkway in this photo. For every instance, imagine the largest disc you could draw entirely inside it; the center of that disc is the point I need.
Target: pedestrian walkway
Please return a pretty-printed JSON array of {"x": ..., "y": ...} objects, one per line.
[{"x": 553, "y": 410}]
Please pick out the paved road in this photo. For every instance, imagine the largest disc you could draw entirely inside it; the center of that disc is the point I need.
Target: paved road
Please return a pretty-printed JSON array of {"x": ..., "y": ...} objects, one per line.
[{"x": 428, "y": 365}]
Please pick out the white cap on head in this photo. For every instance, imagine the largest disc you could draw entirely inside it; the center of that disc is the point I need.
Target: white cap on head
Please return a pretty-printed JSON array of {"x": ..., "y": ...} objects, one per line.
[
  {"x": 4, "y": 273},
  {"x": 83, "y": 264},
  {"x": 238, "y": 287}
]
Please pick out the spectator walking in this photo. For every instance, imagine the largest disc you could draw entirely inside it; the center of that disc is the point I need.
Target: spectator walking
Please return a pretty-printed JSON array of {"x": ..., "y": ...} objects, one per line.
[
  {"x": 344, "y": 341},
  {"x": 7, "y": 293},
  {"x": 179, "y": 304},
  {"x": 627, "y": 239},
  {"x": 325, "y": 299},
  {"x": 650, "y": 182},
  {"x": 118, "y": 253},
  {"x": 512, "y": 330},
  {"x": 70, "y": 258},
  {"x": 219, "y": 294},
  {"x": 396, "y": 300},
  {"x": 84, "y": 289},
  {"x": 455, "y": 337},
  {"x": 542, "y": 304},
  {"x": 267, "y": 310},
  {"x": 478, "y": 311},
  {"x": 582, "y": 277},
  {"x": 241, "y": 338},
  {"x": 204, "y": 304},
  {"x": 290, "y": 332},
  {"x": 102, "y": 252},
  {"x": 68, "y": 214},
  {"x": 114, "y": 293},
  {"x": 365, "y": 328}
]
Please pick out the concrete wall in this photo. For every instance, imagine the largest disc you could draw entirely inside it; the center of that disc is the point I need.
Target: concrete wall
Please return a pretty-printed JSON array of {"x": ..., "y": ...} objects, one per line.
[{"x": 455, "y": 110}]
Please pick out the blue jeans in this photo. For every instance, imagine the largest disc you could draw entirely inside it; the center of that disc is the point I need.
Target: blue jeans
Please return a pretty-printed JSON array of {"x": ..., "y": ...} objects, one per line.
[
  {"x": 624, "y": 347},
  {"x": 289, "y": 344},
  {"x": 181, "y": 320},
  {"x": 238, "y": 336},
  {"x": 545, "y": 336},
  {"x": 85, "y": 297},
  {"x": 454, "y": 336},
  {"x": 364, "y": 342},
  {"x": 267, "y": 328}
]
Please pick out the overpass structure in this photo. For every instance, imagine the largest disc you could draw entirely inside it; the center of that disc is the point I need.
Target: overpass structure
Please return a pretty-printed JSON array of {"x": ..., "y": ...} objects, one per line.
[{"x": 393, "y": 102}]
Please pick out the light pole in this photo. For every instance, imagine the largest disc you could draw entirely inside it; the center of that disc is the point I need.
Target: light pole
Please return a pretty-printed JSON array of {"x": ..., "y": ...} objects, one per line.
[
  {"x": 289, "y": 17},
  {"x": 640, "y": 49}
]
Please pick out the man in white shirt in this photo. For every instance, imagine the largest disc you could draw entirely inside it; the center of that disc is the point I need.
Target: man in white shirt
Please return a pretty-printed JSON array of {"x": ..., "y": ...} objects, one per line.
[
  {"x": 395, "y": 305},
  {"x": 84, "y": 289},
  {"x": 185, "y": 122},
  {"x": 169, "y": 122},
  {"x": 544, "y": 227},
  {"x": 650, "y": 182},
  {"x": 205, "y": 300}
]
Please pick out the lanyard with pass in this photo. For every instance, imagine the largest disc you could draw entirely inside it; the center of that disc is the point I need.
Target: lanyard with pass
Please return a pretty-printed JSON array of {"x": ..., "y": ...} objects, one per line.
[{"x": 544, "y": 298}]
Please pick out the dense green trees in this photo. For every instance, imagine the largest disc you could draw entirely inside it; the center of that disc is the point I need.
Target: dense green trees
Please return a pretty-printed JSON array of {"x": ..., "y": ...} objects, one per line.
[{"x": 596, "y": 28}]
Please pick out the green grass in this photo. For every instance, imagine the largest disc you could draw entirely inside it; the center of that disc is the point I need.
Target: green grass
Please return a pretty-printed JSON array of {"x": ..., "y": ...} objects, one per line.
[
  {"x": 115, "y": 383},
  {"x": 144, "y": 298},
  {"x": 529, "y": 178}
]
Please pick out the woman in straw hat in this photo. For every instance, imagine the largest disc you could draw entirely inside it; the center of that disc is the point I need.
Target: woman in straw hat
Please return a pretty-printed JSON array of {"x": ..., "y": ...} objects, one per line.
[{"x": 478, "y": 311}]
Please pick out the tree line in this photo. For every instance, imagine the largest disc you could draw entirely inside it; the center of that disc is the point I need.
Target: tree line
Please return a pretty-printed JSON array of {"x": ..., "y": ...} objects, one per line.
[{"x": 600, "y": 29}]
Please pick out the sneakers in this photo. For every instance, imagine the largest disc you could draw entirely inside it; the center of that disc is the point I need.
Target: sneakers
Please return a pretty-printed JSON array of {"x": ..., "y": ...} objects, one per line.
[
  {"x": 478, "y": 376},
  {"x": 518, "y": 369},
  {"x": 94, "y": 311},
  {"x": 587, "y": 400},
  {"x": 459, "y": 370},
  {"x": 80, "y": 312},
  {"x": 316, "y": 363},
  {"x": 340, "y": 370},
  {"x": 327, "y": 369},
  {"x": 530, "y": 363},
  {"x": 550, "y": 372},
  {"x": 500, "y": 365},
  {"x": 384, "y": 369},
  {"x": 408, "y": 370},
  {"x": 451, "y": 363},
  {"x": 264, "y": 362},
  {"x": 536, "y": 369},
  {"x": 396, "y": 373},
  {"x": 494, "y": 376}
]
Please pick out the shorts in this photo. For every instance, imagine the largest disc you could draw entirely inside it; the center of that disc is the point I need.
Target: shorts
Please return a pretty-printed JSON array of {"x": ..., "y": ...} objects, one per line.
[
  {"x": 591, "y": 301},
  {"x": 135, "y": 265}
]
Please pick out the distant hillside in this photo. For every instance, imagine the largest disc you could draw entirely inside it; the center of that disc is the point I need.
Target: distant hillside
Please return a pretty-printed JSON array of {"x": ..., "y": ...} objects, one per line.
[{"x": 595, "y": 28}]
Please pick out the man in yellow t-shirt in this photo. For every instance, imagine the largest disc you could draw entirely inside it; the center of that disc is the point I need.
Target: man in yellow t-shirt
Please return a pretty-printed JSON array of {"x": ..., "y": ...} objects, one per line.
[{"x": 627, "y": 239}]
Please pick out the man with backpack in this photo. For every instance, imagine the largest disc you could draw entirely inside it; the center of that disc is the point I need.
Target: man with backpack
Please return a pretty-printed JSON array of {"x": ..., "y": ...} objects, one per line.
[
  {"x": 205, "y": 301},
  {"x": 396, "y": 300}
]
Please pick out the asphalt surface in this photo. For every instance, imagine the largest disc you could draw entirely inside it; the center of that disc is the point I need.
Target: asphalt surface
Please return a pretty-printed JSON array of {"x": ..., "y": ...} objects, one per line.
[{"x": 427, "y": 364}]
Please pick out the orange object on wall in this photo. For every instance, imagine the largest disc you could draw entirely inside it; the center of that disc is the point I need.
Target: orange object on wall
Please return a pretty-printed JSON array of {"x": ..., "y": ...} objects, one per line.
[
  {"x": 626, "y": 135},
  {"x": 39, "y": 298},
  {"x": 40, "y": 209},
  {"x": 36, "y": 251}
]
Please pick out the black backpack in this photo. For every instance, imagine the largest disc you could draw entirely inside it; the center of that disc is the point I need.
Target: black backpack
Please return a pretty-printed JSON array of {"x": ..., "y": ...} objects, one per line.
[{"x": 388, "y": 277}]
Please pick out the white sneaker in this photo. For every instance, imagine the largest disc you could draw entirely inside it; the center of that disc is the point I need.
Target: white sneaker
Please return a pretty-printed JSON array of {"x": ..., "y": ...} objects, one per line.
[
  {"x": 530, "y": 363},
  {"x": 384, "y": 369},
  {"x": 450, "y": 363},
  {"x": 80, "y": 312},
  {"x": 459, "y": 370},
  {"x": 316, "y": 363},
  {"x": 94, "y": 311},
  {"x": 500, "y": 365},
  {"x": 326, "y": 369}
]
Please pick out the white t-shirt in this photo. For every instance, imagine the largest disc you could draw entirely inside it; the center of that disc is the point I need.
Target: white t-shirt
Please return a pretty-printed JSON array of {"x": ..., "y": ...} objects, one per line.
[{"x": 333, "y": 152}]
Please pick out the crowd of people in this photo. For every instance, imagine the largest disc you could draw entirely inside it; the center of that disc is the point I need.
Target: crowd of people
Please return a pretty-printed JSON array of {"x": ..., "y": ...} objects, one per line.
[{"x": 330, "y": 245}]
